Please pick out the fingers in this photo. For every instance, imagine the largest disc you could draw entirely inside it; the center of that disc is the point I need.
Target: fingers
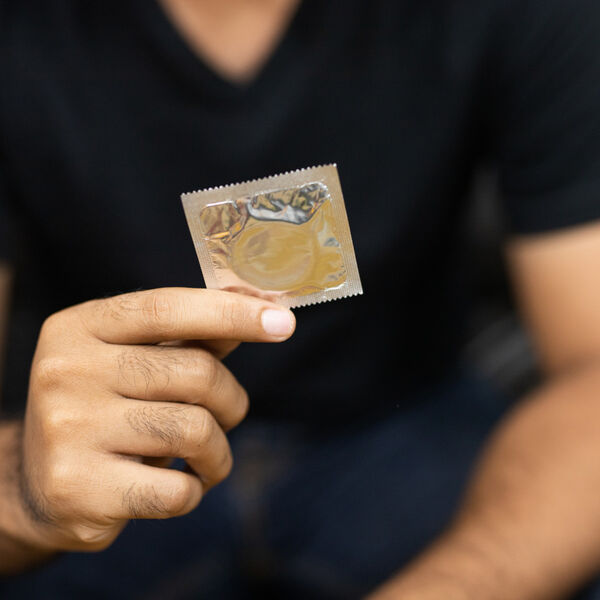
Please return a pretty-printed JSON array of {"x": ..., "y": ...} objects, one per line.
[
  {"x": 182, "y": 313},
  {"x": 176, "y": 430},
  {"x": 144, "y": 492},
  {"x": 89, "y": 478},
  {"x": 88, "y": 503},
  {"x": 129, "y": 490},
  {"x": 172, "y": 374}
]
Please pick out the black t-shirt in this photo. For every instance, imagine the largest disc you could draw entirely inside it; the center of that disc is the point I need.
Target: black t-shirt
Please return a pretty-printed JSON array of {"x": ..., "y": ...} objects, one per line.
[{"x": 106, "y": 117}]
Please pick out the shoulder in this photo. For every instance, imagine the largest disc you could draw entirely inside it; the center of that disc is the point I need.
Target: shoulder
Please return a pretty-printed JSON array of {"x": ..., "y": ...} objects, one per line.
[
  {"x": 544, "y": 84},
  {"x": 525, "y": 26}
]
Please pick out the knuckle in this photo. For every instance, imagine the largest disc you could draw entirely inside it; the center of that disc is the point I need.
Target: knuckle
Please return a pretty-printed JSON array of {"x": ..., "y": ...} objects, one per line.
[
  {"x": 55, "y": 324},
  {"x": 156, "y": 309},
  {"x": 56, "y": 483},
  {"x": 58, "y": 420},
  {"x": 204, "y": 427},
  {"x": 161, "y": 311},
  {"x": 52, "y": 371},
  {"x": 177, "y": 497},
  {"x": 211, "y": 373},
  {"x": 224, "y": 465}
]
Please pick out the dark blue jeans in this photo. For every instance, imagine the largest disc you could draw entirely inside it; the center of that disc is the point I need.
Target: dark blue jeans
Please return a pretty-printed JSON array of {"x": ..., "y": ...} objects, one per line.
[{"x": 325, "y": 515}]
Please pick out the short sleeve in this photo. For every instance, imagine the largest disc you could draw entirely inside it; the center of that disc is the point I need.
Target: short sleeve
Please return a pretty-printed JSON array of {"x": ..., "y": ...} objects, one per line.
[{"x": 545, "y": 82}]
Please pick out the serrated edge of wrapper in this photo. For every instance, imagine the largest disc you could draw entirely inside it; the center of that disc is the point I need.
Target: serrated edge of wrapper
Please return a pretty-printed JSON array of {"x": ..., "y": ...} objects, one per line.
[{"x": 194, "y": 202}]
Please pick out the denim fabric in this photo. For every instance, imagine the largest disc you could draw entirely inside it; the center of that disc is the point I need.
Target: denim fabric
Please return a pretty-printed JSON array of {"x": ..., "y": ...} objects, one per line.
[{"x": 325, "y": 515}]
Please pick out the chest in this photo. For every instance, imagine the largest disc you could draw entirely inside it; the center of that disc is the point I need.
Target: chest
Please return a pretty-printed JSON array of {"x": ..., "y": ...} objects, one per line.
[
  {"x": 101, "y": 156},
  {"x": 236, "y": 38}
]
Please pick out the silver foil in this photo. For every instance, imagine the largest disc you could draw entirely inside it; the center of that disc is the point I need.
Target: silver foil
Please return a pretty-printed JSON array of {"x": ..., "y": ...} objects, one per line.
[{"x": 285, "y": 238}]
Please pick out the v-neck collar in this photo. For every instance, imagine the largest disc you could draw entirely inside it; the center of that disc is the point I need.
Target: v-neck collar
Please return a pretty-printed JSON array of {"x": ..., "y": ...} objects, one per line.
[{"x": 286, "y": 51}]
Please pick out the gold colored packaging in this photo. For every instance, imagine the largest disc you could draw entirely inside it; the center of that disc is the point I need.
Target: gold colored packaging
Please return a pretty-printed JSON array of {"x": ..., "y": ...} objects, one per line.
[{"x": 284, "y": 238}]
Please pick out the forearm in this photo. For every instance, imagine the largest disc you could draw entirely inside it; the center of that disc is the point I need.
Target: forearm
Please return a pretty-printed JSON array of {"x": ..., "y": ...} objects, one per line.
[
  {"x": 16, "y": 552},
  {"x": 529, "y": 527}
]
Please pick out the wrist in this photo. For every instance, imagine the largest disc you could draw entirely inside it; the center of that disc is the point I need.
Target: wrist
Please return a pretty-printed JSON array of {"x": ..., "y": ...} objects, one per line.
[{"x": 22, "y": 541}]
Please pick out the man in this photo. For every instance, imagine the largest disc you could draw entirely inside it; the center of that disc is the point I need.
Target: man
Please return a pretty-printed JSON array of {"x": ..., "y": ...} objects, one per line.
[{"x": 362, "y": 428}]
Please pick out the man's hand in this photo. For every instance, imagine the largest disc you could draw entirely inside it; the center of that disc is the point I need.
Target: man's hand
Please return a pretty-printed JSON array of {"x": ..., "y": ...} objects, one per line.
[{"x": 113, "y": 390}]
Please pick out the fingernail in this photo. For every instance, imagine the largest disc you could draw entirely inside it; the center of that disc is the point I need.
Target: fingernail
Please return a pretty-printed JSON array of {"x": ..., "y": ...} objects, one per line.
[{"x": 277, "y": 323}]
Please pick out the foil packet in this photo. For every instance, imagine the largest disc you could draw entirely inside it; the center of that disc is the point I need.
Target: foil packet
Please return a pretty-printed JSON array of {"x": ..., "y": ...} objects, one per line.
[{"x": 285, "y": 238}]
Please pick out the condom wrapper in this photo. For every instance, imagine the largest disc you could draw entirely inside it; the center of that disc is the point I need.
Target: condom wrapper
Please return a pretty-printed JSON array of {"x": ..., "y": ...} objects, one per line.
[{"x": 284, "y": 238}]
